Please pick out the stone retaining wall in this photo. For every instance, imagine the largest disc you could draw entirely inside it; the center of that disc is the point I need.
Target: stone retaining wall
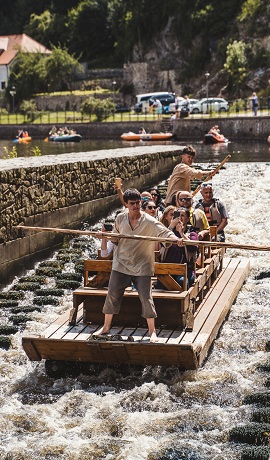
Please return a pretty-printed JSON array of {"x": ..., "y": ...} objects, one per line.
[
  {"x": 62, "y": 191},
  {"x": 234, "y": 128}
]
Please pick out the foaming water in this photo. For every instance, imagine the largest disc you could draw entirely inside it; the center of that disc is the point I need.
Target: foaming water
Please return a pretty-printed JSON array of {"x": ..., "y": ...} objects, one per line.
[{"x": 154, "y": 413}]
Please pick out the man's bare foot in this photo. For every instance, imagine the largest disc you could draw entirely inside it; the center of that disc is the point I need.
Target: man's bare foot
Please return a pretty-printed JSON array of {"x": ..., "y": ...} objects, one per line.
[
  {"x": 153, "y": 337},
  {"x": 102, "y": 331}
]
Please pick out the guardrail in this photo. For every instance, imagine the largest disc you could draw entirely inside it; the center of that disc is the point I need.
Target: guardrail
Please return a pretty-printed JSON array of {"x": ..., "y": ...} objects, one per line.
[{"x": 236, "y": 108}]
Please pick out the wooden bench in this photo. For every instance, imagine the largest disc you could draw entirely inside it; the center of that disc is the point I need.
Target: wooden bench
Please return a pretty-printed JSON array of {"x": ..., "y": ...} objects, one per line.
[
  {"x": 96, "y": 277},
  {"x": 173, "y": 306}
]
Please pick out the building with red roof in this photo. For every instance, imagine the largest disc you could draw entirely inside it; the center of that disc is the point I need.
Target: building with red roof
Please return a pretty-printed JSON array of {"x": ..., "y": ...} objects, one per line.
[{"x": 10, "y": 45}]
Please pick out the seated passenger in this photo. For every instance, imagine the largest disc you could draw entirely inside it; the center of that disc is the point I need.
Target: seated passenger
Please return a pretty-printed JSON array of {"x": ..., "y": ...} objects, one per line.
[
  {"x": 214, "y": 210},
  {"x": 149, "y": 207},
  {"x": 181, "y": 254},
  {"x": 167, "y": 215},
  {"x": 198, "y": 218},
  {"x": 156, "y": 197}
]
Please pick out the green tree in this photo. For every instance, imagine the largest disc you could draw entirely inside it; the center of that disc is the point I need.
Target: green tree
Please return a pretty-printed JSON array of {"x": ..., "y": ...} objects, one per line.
[
  {"x": 236, "y": 63},
  {"x": 89, "y": 31},
  {"x": 59, "y": 68},
  {"x": 102, "y": 109},
  {"x": 29, "y": 109},
  {"x": 25, "y": 75}
]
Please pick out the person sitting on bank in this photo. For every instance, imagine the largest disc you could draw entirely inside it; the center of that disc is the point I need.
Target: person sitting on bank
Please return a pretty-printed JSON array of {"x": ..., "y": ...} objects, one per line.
[
  {"x": 214, "y": 210},
  {"x": 181, "y": 254},
  {"x": 133, "y": 261},
  {"x": 183, "y": 173}
]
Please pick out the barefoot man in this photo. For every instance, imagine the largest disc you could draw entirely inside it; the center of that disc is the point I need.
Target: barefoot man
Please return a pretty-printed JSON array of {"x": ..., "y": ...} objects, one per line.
[{"x": 133, "y": 261}]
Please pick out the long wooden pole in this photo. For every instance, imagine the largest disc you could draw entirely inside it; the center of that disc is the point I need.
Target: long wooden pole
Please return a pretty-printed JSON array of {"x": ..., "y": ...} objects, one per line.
[
  {"x": 212, "y": 174},
  {"x": 112, "y": 236}
]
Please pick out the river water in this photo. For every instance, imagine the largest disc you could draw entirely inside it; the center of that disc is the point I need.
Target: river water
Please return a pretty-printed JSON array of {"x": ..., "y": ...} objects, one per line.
[{"x": 157, "y": 413}]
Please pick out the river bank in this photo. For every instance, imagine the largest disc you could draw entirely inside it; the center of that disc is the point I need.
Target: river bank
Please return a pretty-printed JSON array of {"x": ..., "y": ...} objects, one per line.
[{"x": 234, "y": 128}]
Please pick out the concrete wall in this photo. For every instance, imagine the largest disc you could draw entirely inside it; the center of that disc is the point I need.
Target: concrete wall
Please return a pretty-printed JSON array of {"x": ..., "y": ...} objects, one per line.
[
  {"x": 234, "y": 128},
  {"x": 62, "y": 191}
]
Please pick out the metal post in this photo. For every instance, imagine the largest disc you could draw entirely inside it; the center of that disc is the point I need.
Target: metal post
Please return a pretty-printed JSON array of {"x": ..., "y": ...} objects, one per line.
[
  {"x": 13, "y": 93},
  {"x": 207, "y": 75}
]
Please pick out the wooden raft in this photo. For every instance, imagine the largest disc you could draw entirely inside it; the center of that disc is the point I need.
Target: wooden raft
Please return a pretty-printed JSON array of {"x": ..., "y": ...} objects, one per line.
[{"x": 129, "y": 344}]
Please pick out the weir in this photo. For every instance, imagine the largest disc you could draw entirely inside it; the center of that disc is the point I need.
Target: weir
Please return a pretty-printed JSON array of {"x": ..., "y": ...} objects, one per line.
[{"x": 64, "y": 190}]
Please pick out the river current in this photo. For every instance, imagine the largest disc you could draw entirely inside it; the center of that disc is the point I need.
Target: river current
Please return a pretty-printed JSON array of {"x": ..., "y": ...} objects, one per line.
[{"x": 157, "y": 413}]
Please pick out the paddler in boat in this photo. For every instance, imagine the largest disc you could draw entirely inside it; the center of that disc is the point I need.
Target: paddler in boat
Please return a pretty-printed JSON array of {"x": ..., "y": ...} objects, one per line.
[
  {"x": 183, "y": 173},
  {"x": 214, "y": 130},
  {"x": 133, "y": 261}
]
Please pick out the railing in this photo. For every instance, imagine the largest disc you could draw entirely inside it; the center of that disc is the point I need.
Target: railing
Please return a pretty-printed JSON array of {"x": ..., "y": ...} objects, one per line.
[{"x": 235, "y": 108}]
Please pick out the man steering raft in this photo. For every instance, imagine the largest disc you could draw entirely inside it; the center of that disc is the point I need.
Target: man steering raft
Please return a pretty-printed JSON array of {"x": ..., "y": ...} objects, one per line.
[
  {"x": 183, "y": 173},
  {"x": 133, "y": 261}
]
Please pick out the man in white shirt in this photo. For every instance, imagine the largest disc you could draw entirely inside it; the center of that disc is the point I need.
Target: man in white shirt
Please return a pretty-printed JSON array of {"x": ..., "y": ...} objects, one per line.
[{"x": 133, "y": 261}]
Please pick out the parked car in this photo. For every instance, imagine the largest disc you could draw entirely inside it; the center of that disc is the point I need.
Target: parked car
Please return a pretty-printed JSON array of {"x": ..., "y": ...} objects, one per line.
[
  {"x": 210, "y": 104},
  {"x": 121, "y": 108},
  {"x": 171, "y": 108},
  {"x": 165, "y": 99}
]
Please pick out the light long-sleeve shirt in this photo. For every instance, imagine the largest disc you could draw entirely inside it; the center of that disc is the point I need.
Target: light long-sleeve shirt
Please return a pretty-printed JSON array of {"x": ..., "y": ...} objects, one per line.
[
  {"x": 137, "y": 257},
  {"x": 180, "y": 180}
]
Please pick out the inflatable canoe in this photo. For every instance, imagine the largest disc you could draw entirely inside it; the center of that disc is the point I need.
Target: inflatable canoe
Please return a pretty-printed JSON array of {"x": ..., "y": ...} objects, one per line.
[
  {"x": 146, "y": 137},
  {"x": 23, "y": 139},
  {"x": 211, "y": 138},
  {"x": 66, "y": 138}
]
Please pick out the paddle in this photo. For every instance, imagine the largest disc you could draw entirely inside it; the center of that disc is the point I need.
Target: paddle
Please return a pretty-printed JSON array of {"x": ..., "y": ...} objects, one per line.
[
  {"x": 110, "y": 235},
  {"x": 212, "y": 174}
]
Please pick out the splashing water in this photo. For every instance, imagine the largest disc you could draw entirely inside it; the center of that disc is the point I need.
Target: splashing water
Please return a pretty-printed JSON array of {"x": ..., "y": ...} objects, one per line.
[{"x": 158, "y": 413}]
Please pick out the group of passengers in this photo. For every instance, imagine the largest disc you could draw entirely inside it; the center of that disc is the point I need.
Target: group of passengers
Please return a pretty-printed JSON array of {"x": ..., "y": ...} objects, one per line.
[
  {"x": 61, "y": 131},
  {"x": 176, "y": 219}
]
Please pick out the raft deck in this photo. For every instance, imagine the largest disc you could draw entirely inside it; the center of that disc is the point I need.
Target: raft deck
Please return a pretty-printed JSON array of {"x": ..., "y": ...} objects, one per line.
[{"x": 215, "y": 289}]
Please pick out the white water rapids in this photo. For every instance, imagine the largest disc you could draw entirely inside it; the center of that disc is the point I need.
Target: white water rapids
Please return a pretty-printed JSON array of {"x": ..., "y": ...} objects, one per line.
[{"x": 160, "y": 413}]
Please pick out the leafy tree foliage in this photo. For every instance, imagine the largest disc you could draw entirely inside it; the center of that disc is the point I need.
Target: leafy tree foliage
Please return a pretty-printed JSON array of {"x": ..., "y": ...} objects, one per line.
[
  {"x": 33, "y": 73},
  {"x": 236, "y": 62},
  {"x": 102, "y": 109},
  {"x": 89, "y": 30},
  {"x": 59, "y": 68}
]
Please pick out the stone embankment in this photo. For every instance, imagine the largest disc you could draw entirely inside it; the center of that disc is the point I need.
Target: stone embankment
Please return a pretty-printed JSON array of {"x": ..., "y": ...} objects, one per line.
[
  {"x": 234, "y": 128},
  {"x": 63, "y": 190}
]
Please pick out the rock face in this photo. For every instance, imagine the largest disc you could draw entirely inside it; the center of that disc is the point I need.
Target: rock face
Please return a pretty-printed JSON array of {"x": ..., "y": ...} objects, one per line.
[{"x": 166, "y": 63}]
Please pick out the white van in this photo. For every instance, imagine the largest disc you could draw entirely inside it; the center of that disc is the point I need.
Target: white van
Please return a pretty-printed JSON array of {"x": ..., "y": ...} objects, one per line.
[{"x": 142, "y": 103}]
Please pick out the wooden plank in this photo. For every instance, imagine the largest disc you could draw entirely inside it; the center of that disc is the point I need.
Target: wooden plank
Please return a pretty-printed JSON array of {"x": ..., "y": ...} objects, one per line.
[
  {"x": 164, "y": 335},
  {"x": 140, "y": 334},
  {"x": 169, "y": 283},
  {"x": 213, "y": 323},
  {"x": 61, "y": 322},
  {"x": 30, "y": 349},
  {"x": 176, "y": 337},
  {"x": 209, "y": 302},
  {"x": 87, "y": 331}
]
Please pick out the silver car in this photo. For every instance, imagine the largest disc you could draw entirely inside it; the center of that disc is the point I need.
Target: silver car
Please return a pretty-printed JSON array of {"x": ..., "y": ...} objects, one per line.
[
  {"x": 171, "y": 108},
  {"x": 210, "y": 104}
]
